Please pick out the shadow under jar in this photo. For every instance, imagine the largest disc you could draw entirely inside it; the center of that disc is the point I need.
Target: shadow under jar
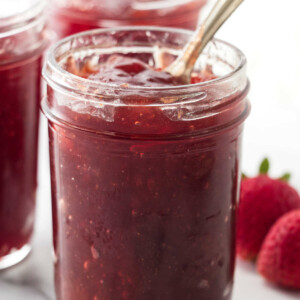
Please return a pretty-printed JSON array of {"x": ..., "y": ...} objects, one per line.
[
  {"x": 145, "y": 180},
  {"x": 22, "y": 42},
  {"x": 70, "y": 17}
]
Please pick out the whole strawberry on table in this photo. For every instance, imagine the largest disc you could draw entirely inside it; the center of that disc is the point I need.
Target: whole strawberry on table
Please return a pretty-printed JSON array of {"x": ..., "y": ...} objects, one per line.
[{"x": 269, "y": 227}]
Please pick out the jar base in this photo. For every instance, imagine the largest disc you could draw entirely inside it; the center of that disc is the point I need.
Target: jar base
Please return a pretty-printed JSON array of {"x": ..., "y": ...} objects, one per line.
[{"x": 14, "y": 257}]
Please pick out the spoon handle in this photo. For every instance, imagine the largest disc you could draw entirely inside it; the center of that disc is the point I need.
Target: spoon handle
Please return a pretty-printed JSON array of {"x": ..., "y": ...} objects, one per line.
[{"x": 183, "y": 65}]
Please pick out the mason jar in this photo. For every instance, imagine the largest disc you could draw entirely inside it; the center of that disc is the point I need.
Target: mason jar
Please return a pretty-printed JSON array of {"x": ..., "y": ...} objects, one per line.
[
  {"x": 145, "y": 180},
  {"x": 22, "y": 42}
]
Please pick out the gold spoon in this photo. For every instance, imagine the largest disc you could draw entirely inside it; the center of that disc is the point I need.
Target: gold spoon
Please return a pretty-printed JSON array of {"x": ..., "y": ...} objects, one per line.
[{"x": 182, "y": 67}]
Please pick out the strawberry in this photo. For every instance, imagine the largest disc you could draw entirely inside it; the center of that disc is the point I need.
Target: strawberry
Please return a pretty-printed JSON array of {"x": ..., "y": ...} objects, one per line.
[
  {"x": 279, "y": 258},
  {"x": 262, "y": 201}
]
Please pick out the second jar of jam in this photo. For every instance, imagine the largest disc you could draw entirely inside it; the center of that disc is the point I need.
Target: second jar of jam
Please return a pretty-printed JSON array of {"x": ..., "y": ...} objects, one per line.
[
  {"x": 73, "y": 16},
  {"x": 22, "y": 41},
  {"x": 145, "y": 171}
]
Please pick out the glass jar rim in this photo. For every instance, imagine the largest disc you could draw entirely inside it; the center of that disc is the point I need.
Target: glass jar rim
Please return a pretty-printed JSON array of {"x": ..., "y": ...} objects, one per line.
[
  {"x": 22, "y": 20},
  {"x": 52, "y": 67}
]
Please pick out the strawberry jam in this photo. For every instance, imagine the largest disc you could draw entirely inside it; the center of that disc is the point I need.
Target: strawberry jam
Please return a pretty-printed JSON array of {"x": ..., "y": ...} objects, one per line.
[
  {"x": 69, "y": 16},
  {"x": 18, "y": 153},
  {"x": 21, "y": 46},
  {"x": 144, "y": 171}
]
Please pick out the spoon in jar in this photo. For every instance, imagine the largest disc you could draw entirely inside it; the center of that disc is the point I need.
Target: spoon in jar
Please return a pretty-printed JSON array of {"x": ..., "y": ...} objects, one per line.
[{"x": 183, "y": 66}]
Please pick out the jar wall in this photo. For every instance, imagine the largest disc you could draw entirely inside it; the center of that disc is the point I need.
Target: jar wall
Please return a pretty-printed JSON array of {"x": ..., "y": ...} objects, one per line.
[
  {"x": 19, "y": 92},
  {"x": 22, "y": 41},
  {"x": 144, "y": 219}
]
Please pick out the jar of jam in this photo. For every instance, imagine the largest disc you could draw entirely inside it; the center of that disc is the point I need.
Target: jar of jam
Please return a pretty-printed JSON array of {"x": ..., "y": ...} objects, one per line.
[
  {"x": 73, "y": 16},
  {"x": 22, "y": 41},
  {"x": 145, "y": 171}
]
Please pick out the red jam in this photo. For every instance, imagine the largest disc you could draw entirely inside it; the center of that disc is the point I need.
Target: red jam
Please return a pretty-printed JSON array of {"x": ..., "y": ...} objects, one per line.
[
  {"x": 69, "y": 17},
  {"x": 19, "y": 111},
  {"x": 22, "y": 41},
  {"x": 148, "y": 213},
  {"x": 119, "y": 69}
]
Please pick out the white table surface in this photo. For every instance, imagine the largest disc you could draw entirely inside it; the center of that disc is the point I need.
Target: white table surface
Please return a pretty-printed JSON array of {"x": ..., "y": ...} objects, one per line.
[{"x": 268, "y": 32}]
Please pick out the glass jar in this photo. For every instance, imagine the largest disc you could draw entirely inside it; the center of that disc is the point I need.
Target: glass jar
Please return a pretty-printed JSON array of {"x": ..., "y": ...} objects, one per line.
[
  {"x": 144, "y": 195},
  {"x": 73, "y": 16},
  {"x": 22, "y": 41}
]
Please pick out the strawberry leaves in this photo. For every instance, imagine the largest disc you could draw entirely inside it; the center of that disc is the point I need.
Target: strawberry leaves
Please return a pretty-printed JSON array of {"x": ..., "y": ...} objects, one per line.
[
  {"x": 264, "y": 167},
  {"x": 285, "y": 177}
]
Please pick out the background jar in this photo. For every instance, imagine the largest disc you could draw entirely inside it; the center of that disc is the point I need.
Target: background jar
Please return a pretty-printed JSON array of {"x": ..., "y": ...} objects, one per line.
[
  {"x": 22, "y": 41},
  {"x": 69, "y": 16},
  {"x": 144, "y": 195}
]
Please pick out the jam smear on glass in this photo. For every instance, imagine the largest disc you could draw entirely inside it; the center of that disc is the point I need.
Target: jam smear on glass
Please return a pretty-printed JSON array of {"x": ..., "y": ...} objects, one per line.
[{"x": 145, "y": 176}]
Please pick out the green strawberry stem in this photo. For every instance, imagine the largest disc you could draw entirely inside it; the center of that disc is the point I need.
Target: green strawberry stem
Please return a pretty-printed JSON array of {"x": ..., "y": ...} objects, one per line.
[
  {"x": 264, "y": 167},
  {"x": 285, "y": 177}
]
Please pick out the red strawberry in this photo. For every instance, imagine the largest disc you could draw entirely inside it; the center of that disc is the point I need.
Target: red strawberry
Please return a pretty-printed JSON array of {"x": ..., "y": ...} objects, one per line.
[
  {"x": 279, "y": 258},
  {"x": 262, "y": 201}
]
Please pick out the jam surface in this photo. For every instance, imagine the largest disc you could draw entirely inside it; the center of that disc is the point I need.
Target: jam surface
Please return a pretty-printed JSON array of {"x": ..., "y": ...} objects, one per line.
[
  {"x": 72, "y": 17},
  {"x": 149, "y": 214},
  {"x": 124, "y": 70}
]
